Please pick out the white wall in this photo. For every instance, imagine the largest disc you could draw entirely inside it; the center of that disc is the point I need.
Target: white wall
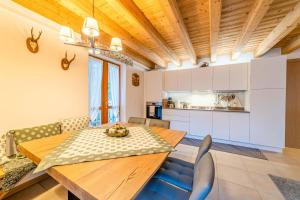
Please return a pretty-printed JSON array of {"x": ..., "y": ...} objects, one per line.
[
  {"x": 34, "y": 89},
  {"x": 134, "y": 95}
]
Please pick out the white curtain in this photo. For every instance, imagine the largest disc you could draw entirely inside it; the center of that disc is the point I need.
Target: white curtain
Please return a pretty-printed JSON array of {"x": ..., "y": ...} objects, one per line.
[
  {"x": 113, "y": 92},
  {"x": 95, "y": 85}
]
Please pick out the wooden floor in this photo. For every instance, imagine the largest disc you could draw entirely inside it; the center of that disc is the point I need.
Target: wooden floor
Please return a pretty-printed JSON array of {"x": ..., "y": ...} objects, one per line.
[{"x": 237, "y": 177}]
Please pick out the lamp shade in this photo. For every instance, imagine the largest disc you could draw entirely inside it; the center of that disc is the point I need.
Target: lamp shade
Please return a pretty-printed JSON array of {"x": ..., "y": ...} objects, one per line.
[
  {"x": 66, "y": 34},
  {"x": 116, "y": 44},
  {"x": 90, "y": 27}
]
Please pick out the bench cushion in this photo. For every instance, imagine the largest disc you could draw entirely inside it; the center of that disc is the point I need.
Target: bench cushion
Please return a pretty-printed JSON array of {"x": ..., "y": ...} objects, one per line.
[
  {"x": 160, "y": 190},
  {"x": 74, "y": 124},
  {"x": 177, "y": 172},
  {"x": 14, "y": 170},
  {"x": 28, "y": 134},
  {"x": 3, "y": 157}
]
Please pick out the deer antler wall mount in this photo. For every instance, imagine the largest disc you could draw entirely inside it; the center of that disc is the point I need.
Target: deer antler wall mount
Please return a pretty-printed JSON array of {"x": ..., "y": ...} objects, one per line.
[
  {"x": 65, "y": 63},
  {"x": 32, "y": 43}
]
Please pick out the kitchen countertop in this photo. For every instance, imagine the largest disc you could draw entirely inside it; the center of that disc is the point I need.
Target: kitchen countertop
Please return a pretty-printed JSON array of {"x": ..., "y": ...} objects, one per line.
[{"x": 202, "y": 108}]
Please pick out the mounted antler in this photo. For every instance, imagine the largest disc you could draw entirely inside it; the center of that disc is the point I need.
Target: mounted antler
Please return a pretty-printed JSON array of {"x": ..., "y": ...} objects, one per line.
[
  {"x": 32, "y": 43},
  {"x": 65, "y": 63},
  {"x": 32, "y": 35}
]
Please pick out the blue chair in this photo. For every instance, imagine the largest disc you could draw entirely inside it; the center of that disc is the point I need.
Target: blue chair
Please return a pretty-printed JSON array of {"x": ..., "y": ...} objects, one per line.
[
  {"x": 180, "y": 173},
  {"x": 202, "y": 184}
]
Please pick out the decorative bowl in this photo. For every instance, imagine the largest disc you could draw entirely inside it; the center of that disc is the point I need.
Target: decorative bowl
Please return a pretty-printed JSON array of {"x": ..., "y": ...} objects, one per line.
[{"x": 117, "y": 130}]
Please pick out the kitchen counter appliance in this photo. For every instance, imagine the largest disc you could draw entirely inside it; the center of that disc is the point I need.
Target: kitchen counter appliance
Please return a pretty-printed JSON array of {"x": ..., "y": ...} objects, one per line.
[{"x": 154, "y": 110}]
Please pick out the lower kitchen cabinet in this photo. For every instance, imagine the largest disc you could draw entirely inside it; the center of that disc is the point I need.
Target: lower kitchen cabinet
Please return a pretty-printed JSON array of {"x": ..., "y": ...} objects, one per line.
[
  {"x": 239, "y": 127},
  {"x": 180, "y": 126},
  {"x": 200, "y": 123},
  {"x": 221, "y": 125}
]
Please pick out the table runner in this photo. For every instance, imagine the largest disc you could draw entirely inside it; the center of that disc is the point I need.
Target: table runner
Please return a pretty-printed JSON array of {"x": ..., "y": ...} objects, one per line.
[{"x": 93, "y": 144}]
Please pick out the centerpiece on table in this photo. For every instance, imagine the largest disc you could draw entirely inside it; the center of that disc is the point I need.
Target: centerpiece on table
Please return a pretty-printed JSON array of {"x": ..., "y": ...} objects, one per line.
[{"x": 117, "y": 130}]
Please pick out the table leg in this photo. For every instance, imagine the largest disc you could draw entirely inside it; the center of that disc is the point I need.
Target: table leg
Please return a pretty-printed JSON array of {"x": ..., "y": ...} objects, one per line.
[{"x": 71, "y": 196}]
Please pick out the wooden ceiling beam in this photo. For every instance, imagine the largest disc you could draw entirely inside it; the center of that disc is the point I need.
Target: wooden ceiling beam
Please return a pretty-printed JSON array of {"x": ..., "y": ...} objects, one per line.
[
  {"x": 215, "y": 8},
  {"x": 172, "y": 12},
  {"x": 134, "y": 15},
  {"x": 287, "y": 24},
  {"x": 83, "y": 8},
  {"x": 292, "y": 45},
  {"x": 255, "y": 16}
]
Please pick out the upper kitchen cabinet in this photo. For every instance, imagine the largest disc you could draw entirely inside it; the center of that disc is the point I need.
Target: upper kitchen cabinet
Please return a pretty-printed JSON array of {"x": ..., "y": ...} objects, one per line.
[
  {"x": 202, "y": 79},
  {"x": 170, "y": 81},
  {"x": 268, "y": 73},
  {"x": 184, "y": 80},
  {"x": 178, "y": 80},
  {"x": 153, "y": 85},
  {"x": 238, "y": 76},
  {"x": 221, "y": 78}
]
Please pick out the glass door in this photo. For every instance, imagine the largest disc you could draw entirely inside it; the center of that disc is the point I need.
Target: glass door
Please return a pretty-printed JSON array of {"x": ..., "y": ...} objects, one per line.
[
  {"x": 95, "y": 69},
  {"x": 104, "y": 91},
  {"x": 113, "y": 93}
]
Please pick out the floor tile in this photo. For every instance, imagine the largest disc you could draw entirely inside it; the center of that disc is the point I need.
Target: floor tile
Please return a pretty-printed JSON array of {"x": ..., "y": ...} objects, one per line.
[
  {"x": 288, "y": 171},
  {"x": 282, "y": 158},
  {"x": 264, "y": 185},
  {"x": 29, "y": 193},
  {"x": 267, "y": 196},
  {"x": 229, "y": 160},
  {"x": 231, "y": 191},
  {"x": 48, "y": 183},
  {"x": 260, "y": 166},
  {"x": 234, "y": 175},
  {"x": 56, "y": 193}
]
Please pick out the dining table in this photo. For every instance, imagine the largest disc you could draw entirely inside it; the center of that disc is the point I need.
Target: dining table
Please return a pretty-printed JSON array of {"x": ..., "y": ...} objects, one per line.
[{"x": 118, "y": 178}]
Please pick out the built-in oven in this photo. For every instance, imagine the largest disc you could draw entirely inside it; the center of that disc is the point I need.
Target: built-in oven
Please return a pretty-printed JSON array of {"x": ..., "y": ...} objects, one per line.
[{"x": 154, "y": 110}]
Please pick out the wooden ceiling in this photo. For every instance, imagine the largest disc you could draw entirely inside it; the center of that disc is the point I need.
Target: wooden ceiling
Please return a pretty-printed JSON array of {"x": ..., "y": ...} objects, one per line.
[{"x": 169, "y": 31}]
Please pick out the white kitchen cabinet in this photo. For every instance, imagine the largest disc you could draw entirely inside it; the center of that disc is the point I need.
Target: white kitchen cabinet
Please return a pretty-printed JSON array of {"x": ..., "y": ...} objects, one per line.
[
  {"x": 268, "y": 73},
  {"x": 179, "y": 119},
  {"x": 170, "y": 81},
  {"x": 238, "y": 76},
  {"x": 184, "y": 80},
  {"x": 202, "y": 79},
  {"x": 175, "y": 114},
  {"x": 180, "y": 126},
  {"x": 153, "y": 83},
  {"x": 220, "y": 125},
  {"x": 239, "y": 127},
  {"x": 200, "y": 123},
  {"x": 267, "y": 117},
  {"x": 221, "y": 78}
]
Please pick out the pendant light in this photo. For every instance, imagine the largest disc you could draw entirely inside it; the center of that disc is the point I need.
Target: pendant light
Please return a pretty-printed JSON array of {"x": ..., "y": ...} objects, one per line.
[
  {"x": 66, "y": 34},
  {"x": 116, "y": 44},
  {"x": 90, "y": 26}
]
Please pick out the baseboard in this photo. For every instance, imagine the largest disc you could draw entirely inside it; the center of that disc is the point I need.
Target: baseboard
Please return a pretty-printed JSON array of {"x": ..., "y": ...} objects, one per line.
[{"x": 261, "y": 147}]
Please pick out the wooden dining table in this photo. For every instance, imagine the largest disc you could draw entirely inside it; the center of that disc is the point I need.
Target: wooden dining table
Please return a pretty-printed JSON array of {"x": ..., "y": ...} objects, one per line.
[{"x": 119, "y": 178}]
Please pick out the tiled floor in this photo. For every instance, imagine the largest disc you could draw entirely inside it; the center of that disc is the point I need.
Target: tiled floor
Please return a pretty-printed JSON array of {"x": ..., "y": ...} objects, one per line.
[{"x": 237, "y": 177}]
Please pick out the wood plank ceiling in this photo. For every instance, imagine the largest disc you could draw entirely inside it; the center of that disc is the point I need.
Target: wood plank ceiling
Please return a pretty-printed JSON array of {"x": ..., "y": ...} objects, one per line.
[{"x": 156, "y": 32}]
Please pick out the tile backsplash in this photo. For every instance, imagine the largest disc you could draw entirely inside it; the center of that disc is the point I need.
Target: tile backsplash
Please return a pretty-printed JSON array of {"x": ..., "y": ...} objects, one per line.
[{"x": 209, "y": 98}]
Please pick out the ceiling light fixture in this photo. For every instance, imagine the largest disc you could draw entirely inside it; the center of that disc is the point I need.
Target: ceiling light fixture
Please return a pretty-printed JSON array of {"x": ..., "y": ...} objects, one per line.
[
  {"x": 116, "y": 44},
  {"x": 66, "y": 34},
  {"x": 90, "y": 29}
]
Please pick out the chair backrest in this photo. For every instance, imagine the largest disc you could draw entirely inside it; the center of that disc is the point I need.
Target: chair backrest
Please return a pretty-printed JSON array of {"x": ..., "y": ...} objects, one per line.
[
  {"x": 160, "y": 123},
  {"x": 204, "y": 175},
  {"x": 204, "y": 147},
  {"x": 137, "y": 120}
]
